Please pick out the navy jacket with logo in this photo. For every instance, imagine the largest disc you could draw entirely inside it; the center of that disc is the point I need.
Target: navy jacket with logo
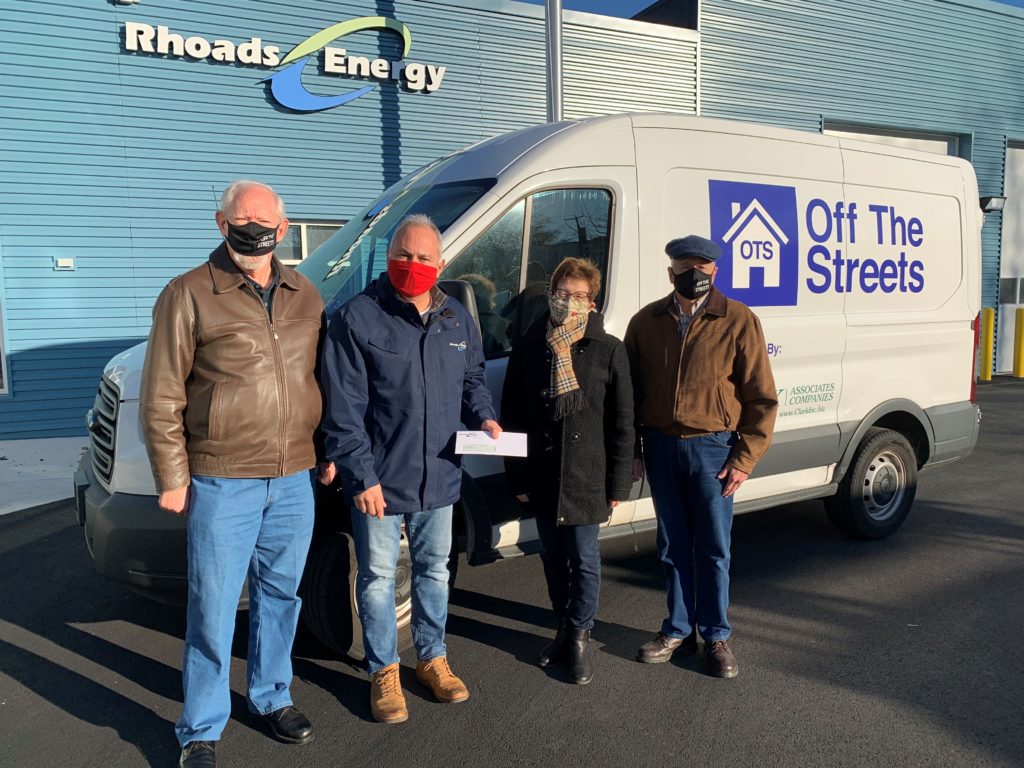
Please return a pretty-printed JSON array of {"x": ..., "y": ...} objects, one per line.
[{"x": 397, "y": 388}]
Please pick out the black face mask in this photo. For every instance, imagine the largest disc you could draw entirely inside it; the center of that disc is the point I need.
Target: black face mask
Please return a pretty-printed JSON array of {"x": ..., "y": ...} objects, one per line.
[
  {"x": 251, "y": 239},
  {"x": 692, "y": 284}
]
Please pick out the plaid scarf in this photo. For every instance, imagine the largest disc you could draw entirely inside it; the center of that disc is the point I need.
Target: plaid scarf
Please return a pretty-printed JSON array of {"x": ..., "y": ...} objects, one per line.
[{"x": 565, "y": 390}]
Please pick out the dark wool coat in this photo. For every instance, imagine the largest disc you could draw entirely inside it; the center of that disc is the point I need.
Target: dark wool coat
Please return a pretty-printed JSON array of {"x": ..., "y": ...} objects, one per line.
[{"x": 576, "y": 466}]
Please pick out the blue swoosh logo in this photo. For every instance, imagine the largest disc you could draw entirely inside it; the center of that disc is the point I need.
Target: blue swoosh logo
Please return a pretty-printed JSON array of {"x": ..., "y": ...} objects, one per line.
[{"x": 287, "y": 88}]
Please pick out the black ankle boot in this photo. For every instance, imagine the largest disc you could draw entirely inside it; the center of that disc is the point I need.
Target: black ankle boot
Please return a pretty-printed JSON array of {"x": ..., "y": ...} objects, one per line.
[
  {"x": 581, "y": 657},
  {"x": 554, "y": 652}
]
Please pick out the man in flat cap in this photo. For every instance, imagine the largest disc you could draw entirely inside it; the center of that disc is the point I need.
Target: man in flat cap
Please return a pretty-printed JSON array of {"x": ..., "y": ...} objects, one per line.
[{"x": 705, "y": 408}]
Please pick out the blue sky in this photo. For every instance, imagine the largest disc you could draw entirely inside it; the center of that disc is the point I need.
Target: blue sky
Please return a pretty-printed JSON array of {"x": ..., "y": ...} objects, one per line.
[{"x": 627, "y": 8}]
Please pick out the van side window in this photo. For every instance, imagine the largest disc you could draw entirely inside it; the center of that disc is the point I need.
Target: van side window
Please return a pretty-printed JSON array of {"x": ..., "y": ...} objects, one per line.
[
  {"x": 510, "y": 265},
  {"x": 491, "y": 266},
  {"x": 563, "y": 223}
]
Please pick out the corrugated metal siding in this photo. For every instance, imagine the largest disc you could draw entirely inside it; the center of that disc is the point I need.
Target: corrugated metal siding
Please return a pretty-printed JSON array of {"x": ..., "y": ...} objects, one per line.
[
  {"x": 63, "y": 193},
  {"x": 113, "y": 157},
  {"x": 930, "y": 65}
]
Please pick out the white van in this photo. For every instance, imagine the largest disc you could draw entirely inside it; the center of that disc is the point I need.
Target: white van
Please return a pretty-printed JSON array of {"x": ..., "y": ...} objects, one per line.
[{"x": 862, "y": 261}]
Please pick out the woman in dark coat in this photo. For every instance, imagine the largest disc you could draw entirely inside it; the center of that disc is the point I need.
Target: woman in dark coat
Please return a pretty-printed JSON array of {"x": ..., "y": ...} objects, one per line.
[{"x": 567, "y": 386}]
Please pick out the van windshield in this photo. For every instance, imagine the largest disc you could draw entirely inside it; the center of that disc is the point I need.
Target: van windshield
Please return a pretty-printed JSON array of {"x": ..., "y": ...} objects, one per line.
[{"x": 345, "y": 264}]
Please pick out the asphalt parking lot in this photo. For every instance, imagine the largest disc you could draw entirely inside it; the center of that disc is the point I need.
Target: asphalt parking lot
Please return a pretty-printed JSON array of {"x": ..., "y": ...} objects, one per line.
[{"x": 903, "y": 652}]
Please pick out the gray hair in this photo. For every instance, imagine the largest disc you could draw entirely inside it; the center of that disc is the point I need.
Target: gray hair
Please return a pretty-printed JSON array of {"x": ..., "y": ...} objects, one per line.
[
  {"x": 227, "y": 198},
  {"x": 416, "y": 220}
]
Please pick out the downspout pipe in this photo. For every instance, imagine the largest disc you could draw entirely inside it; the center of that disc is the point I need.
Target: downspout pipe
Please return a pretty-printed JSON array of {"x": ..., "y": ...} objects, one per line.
[{"x": 553, "y": 27}]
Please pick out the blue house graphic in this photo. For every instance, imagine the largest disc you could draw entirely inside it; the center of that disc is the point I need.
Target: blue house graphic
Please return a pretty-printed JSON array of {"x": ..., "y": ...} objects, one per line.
[{"x": 756, "y": 225}]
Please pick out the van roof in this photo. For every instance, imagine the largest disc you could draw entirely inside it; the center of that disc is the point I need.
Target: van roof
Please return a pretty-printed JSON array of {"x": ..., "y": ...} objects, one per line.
[{"x": 609, "y": 141}]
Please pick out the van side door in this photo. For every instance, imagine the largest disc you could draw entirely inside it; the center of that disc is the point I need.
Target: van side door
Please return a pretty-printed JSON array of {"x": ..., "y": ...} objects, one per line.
[{"x": 508, "y": 256}]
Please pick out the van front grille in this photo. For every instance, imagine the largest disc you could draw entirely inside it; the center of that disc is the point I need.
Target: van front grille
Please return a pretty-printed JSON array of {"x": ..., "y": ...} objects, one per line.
[{"x": 103, "y": 429}]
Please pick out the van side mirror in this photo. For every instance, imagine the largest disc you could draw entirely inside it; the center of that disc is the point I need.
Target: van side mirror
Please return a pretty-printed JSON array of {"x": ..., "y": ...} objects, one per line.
[{"x": 462, "y": 292}]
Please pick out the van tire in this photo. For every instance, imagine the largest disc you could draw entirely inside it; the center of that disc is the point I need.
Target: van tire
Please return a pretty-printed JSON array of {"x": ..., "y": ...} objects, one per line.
[
  {"x": 879, "y": 488},
  {"x": 329, "y": 608}
]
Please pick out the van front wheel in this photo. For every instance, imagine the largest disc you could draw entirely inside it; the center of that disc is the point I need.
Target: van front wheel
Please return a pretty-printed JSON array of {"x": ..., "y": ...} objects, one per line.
[
  {"x": 878, "y": 490},
  {"x": 329, "y": 608}
]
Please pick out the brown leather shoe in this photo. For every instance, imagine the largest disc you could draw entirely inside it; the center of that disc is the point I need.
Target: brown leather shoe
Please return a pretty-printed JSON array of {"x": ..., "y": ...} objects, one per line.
[
  {"x": 387, "y": 702},
  {"x": 439, "y": 678},
  {"x": 720, "y": 659},
  {"x": 662, "y": 647}
]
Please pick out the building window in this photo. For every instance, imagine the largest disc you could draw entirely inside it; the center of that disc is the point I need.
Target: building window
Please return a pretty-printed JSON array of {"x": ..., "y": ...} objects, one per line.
[
  {"x": 936, "y": 143},
  {"x": 303, "y": 238}
]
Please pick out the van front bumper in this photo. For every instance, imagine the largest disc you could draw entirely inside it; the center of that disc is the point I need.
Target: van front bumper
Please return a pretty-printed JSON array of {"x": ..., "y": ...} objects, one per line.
[{"x": 130, "y": 539}]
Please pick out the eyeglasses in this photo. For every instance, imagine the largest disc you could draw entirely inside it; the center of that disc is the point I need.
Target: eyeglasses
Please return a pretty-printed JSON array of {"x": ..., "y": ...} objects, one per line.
[{"x": 565, "y": 295}]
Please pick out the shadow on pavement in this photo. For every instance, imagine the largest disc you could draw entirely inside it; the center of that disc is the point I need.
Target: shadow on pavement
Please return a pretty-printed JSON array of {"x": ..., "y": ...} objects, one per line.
[
  {"x": 929, "y": 619},
  {"x": 887, "y": 620},
  {"x": 92, "y": 703},
  {"x": 51, "y": 596}
]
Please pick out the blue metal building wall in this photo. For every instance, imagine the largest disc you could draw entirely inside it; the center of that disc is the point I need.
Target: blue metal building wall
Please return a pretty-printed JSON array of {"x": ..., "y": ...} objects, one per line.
[
  {"x": 946, "y": 66},
  {"x": 113, "y": 157}
]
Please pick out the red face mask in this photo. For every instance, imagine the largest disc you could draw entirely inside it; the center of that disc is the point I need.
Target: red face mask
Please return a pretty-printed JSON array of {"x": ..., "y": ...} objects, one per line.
[{"x": 411, "y": 278}]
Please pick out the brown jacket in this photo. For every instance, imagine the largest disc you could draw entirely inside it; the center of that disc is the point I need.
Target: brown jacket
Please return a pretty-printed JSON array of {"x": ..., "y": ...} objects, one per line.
[
  {"x": 718, "y": 379},
  {"x": 227, "y": 390}
]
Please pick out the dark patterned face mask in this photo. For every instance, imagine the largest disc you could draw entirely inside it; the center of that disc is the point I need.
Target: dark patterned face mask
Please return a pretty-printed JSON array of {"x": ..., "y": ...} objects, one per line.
[
  {"x": 692, "y": 284},
  {"x": 251, "y": 239}
]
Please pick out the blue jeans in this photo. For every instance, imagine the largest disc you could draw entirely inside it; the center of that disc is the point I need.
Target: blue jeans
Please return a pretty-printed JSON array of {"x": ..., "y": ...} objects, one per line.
[
  {"x": 236, "y": 526},
  {"x": 377, "y": 543},
  {"x": 572, "y": 566},
  {"x": 694, "y": 529}
]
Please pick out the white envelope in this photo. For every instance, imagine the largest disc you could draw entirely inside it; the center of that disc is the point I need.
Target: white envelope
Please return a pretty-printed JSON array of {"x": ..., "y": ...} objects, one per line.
[{"x": 507, "y": 444}]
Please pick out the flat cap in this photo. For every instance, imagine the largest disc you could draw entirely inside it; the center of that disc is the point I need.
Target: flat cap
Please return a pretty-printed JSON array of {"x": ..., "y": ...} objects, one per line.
[{"x": 693, "y": 245}]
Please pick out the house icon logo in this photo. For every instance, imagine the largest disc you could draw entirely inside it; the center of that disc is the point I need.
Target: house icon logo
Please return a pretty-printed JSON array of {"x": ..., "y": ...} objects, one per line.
[{"x": 756, "y": 225}]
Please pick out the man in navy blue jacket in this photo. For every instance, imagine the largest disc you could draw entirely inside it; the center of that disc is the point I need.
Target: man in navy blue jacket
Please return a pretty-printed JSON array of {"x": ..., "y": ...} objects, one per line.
[{"x": 402, "y": 366}]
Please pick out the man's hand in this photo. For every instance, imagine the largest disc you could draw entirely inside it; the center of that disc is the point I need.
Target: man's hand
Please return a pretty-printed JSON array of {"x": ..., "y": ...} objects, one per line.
[
  {"x": 326, "y": 472},
  {"x": 613, "y": 503},
  {"x": 734, "y": 478},
  {"x": 523, "y": 498},
  {"x": 371, "y": 501},
  {"x": 638, "y": 469},
  {"x": 174, "y": 501},
  {"x": 491, "y": 426}
]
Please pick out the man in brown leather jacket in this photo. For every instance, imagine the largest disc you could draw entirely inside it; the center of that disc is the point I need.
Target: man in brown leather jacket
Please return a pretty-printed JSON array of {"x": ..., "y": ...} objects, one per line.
[
  {"x": 229, "y": 405},
  {"x": 705, "y": 409}
]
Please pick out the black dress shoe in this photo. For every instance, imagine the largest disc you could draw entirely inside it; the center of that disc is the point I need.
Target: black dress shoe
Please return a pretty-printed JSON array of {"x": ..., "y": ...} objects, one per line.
[
  {"x": 288, "y": 725},
  {"x": 555, "y": 651},
  {"x": 662, "y": 647},
  {"x": 198, "y": 754},
  {"x": 581, "y": 657}
]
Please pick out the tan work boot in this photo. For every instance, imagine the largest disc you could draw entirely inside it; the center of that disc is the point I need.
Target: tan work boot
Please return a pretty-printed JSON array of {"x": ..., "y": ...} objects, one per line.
[
  {"x": 439, "y": 678},
  {"x": 387, "y": 702}
]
